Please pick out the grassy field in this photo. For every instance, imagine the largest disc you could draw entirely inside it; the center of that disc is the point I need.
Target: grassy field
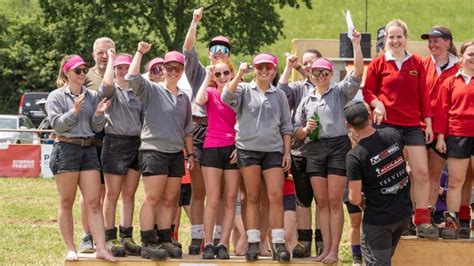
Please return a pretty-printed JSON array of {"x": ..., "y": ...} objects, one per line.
[{"x": 29, "y": 228}]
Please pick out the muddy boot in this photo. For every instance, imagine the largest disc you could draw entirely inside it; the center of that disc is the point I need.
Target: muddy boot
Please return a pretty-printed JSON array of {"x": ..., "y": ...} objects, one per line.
[
  {"x": 450, "y": 226},
  {"x": 112, "y": 244},
  {"x": 319, "y": 248},
  {"x": 222, "y": 252},
  {"x": 427, "y": 230},
  {"x": 195, "y": 246},
  {"x": 164, "y": 238},
  {"x": 150, "y": 247},
  {"x": 464, "y": 230},
  {"x": 302, "y": 249},
  {"x": 126, "y": 239},
  {"x": 208, "y": 253},
  {"x": 281, "y": 253},
  {"x": 252, "y": 251}
]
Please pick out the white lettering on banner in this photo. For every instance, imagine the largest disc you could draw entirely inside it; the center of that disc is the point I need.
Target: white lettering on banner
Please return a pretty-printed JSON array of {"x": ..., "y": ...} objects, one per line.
[{"x": 23, "y": 164}]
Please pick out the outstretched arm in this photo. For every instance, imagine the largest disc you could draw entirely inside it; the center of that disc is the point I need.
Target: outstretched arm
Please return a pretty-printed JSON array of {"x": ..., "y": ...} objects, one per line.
[
  {"x": 191, "y": 35},
  {"x": 201, "y": 97}
]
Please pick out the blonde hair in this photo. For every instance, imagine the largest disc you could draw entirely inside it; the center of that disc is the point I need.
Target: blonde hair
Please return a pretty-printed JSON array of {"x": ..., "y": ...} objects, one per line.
[
  {"x": 61, "y": 81},
  {"x": 397, "y": 23}
]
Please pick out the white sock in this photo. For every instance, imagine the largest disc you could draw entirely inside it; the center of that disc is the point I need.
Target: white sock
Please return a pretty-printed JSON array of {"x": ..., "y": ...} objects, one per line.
[
  {"x": 197, "y": 231},
  {"x": 253, "y": 235},
  {"x": 278, "y": 236},
  {"x": 217, "y": 231}
]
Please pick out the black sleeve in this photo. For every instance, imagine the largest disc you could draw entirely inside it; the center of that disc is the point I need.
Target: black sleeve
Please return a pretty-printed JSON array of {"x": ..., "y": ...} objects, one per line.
[{"x": 353, "y": 167}]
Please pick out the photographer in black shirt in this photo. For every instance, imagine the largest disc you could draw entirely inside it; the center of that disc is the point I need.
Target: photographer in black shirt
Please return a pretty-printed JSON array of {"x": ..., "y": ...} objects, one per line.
[{"x": 376, "y": 167}]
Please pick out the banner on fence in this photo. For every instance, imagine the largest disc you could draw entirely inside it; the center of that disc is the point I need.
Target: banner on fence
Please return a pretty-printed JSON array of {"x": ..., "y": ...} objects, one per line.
[
  {"x": 20, "y": 160},
  {"x": 46, "y": 150}
]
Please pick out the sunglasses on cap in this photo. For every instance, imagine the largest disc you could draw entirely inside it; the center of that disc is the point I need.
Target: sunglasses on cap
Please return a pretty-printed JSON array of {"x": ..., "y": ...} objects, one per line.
[
  {"x": 216, "y": 48},
  {"x": 219, "y": 74},
  {"x": 156, "y": 70},
  {"x": 267, "y": 66},
  {"x": 79, "y": 70},
  {"x": 177, "y": 69},
  {"x": 318, "y": 72}
]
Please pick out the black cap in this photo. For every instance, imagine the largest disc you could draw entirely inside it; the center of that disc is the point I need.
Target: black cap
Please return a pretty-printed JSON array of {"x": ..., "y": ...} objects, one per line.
[
  {"x": 355, "y": 112},
  {"x": 220, "y": 40},
  {"x": 437, "y": 32}
]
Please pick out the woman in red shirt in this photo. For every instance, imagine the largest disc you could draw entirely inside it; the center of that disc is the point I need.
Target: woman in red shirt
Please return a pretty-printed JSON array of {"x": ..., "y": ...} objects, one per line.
[
  {"x": 396, "y": 88},
  {"x": 455, "y": 113},
  {"x": 439, "y": 65}
]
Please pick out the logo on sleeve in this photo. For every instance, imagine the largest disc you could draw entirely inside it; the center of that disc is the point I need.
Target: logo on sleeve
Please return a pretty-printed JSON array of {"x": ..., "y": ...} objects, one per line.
[{"x": 384, "y": 154}]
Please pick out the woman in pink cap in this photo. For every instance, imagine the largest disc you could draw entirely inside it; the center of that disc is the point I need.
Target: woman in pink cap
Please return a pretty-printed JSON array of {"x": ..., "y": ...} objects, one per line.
[
  {"x": 166, "y": 132},
  {"x": 320, "y": 120},
  {"x": 218, "y": 157},
  {"x": 262, "y": 148},
  {"x": 75, "y": 113},
  {"x": 154, "y": 69},
  {"x": 120, "y": 153}
]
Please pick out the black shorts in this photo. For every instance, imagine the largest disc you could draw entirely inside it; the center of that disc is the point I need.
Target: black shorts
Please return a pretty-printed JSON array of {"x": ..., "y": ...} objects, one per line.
[
  {"x": 327, "y": 156},
  {"x": 160, "y": 163},
  {"x": 120, "y": 153},
  {"x": 185, "y": 193},
  {"x": 67, "y": 157},
  {"x": 289, "y": 202},
  {"x": 460, "y": 147},
  {"x": 412, "y": 135},
  {"x": 303, "y": 188},
  {"x": 432, "y": 146},
  {"x": 218, "y": 157},
  {"x": 351, "y": 208},
  {"x": 199, "y": 133},
  {"x": 266, "y": 160},
  {"x": 378, "y": 242}
]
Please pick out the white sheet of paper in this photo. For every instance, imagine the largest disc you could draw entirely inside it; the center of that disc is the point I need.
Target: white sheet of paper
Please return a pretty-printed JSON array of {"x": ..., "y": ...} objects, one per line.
[{"x": 350, "y": 24}]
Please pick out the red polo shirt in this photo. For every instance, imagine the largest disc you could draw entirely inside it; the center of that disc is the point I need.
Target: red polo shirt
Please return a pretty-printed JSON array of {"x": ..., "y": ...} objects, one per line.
[
  {"x": 403, "y": 92},
  {"x": 455, "y": 108}
]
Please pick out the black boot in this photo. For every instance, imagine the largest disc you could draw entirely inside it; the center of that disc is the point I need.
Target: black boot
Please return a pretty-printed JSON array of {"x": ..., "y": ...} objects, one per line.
[
  {"x": 303, "y": 247},
  {"x": 112, "y": 244},
  {"x": 164, "y": 238},
  {"x": 150, "y": 247},
  {"x": 252, "y": 251},
  {"x": 280, "y": 252},
  {"x": 195, "y": 246},
  {"x": 126, "y": 239}
]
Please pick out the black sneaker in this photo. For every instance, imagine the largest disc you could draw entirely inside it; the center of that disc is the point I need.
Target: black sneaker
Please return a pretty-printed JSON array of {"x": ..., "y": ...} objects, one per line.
[
  {"x": 319, "y": 247},
  {"x": 410, "y": 230},
  {"x": 195, "y": 246},
  {"x": 252, "y": 251},
  {"x": 302, "y": 249},
  {"x": 208, "y": 253},
  {"x": 222, "y": 252},
  {"x": 464, "y": 230},
  {"x": 173, "y": 250},
  {"x": 280, "y": 252},
  {"x": 132, "y": 248},
  {"x": 153, "y": 251}
]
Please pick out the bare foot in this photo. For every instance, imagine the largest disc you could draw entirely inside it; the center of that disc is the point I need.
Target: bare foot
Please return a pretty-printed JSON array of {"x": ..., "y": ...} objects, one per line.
[
  {"x": 265, "y": 252},
  {"x": 104, "y": 254},
  {"x": 71, "y": 255},
  {"x": 331, "y": 258},
  {"x": 323, "y": 255}
]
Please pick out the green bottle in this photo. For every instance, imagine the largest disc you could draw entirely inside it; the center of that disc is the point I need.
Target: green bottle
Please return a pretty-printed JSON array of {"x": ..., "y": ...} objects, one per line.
[{"x": 314, "y": 134}]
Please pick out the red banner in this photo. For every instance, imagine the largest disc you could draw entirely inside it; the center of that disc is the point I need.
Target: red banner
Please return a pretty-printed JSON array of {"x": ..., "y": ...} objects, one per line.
[{"x": 20, "y": 160}]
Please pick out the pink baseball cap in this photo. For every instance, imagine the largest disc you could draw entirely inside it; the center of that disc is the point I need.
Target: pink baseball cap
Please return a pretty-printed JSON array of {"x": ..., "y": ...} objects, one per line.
[
  {"x": 265, "y": 58},
  {"x": 322, "y": 63},
  {"x": 222, "y": 40},
  {"x": 154, "y": 61},
  {"x": 123, "y": 59},
  {"x": 174, "y": 56},
  {"x": 73, "y": 63}
]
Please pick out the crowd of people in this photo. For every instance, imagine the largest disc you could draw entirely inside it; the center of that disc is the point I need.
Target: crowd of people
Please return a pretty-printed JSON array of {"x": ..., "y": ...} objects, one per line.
[{"x": 255, "y": 154}]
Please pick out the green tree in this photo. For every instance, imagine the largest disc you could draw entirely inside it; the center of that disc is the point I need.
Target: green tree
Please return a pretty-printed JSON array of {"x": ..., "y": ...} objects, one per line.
[{"x": 32, "y": 45}]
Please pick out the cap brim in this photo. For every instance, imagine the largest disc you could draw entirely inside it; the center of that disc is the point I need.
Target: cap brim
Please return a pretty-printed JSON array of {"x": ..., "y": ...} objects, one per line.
[
  {"x": 78, "y": 64},
  {"x": 226, "y": 44},
  {"x": 164, "y": 63},
  {"x": 264, "y": 61},
  {"x": 425, "y": 36}
]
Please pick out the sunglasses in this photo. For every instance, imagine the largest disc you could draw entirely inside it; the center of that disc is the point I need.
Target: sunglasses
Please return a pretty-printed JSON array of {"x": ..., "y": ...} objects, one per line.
[
  {"x": 216, "y": 48},
  {"x": 156, "y": 70},
  {"x": 177, "y": 69},
  {"x": 317, "y": 73},
  {"x": 219, "y": 74},
  {"x": 267, "y": 66},
  {"x": 79, "y": 70}
]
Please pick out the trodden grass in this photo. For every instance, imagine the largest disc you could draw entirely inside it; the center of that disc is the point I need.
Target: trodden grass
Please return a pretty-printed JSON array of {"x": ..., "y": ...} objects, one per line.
[{"x": 30, "y": 233}]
